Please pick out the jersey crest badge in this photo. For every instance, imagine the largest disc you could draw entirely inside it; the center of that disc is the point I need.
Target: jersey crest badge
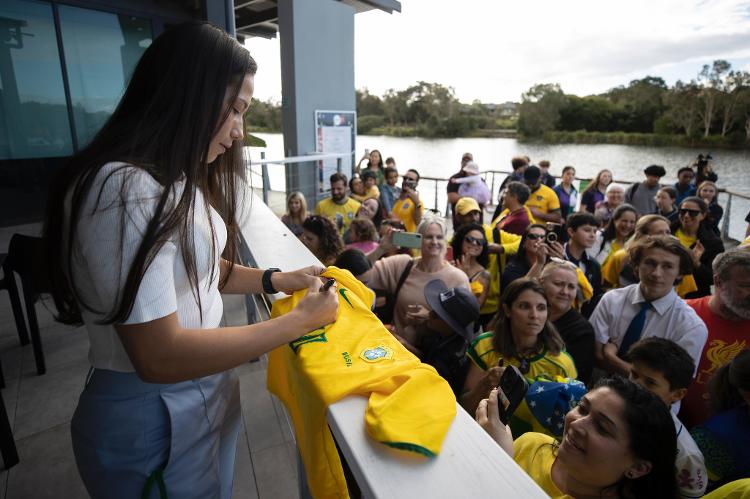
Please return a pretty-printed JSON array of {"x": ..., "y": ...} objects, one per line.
[{"x": 376, "y": 354}]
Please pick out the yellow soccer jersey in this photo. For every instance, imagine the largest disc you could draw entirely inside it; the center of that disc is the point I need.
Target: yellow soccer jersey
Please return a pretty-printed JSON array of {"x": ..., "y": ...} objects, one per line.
[
  {"x": 410, "y": 406},
  {"x": 545, "y": 366},
  {"x": 496, "y": 265},
  {"x": 543, "y": 199},
  {"x": 403, "y": 209},
  {"x": 535, "y": 453},
  {"x": 340, "y": 214}
]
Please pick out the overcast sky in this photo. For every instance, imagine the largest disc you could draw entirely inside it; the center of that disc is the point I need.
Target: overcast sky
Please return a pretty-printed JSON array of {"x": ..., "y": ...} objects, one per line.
[{"x": 495, "y": 50}]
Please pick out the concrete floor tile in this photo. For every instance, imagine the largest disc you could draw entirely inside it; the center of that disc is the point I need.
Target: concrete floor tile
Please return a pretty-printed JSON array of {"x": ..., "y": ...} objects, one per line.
[
  {"x": 49, "y": 400},
  {"x": 61, "y": 344},
  {"x": 10, "y": 399},
  {"x": 260, "y": 418},
  {"x": 244, "y": 476},
  {"x": 47, "y": 468},
  {"x": 275, "y": 473}
]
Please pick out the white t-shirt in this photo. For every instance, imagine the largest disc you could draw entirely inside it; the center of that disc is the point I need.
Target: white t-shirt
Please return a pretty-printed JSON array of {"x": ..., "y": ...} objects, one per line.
[
  {"x": 107, "y": 238},
  {"x": 670, "y": 318},
  {"x": 690, "y": 468}
]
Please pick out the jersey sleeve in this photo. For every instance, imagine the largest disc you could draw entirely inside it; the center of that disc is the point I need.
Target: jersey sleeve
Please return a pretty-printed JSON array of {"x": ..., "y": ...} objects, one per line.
[{"x": 110, "y": 234}]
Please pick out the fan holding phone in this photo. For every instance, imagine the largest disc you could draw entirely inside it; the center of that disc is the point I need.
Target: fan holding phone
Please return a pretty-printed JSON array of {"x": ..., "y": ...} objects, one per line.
[{"x": 525, "y": 339}]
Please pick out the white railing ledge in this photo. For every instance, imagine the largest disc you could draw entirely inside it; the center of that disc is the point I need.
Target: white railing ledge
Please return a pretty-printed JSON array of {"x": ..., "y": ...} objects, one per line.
[{"x": 470, "y": 463}]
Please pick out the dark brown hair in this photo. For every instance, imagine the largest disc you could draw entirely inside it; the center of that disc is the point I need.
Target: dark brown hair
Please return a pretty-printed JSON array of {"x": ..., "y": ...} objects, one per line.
[
  {"x": 502, "y": 340},
  {"x": 670, "y": 244},
  {"x": 173, "y": 106}
]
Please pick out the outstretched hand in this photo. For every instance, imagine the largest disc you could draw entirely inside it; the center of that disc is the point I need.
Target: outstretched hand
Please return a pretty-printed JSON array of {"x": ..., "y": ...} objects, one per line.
[
  {"x": 318, "y": 308},
  {"x": 488, "y": 417}
]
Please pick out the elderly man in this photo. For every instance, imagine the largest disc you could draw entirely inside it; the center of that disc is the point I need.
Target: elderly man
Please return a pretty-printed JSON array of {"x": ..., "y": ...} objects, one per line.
[
  {"x": 727, "y": 317},
  {"x": 615, "y": 195}
]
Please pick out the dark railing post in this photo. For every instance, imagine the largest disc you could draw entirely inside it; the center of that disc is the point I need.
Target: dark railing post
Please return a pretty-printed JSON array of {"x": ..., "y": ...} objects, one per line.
[
  {"x": 264, "y": 175},
  {"x": 436, "y": 194},
  {"x": 338, "y": 165},
  {"x": 492, "y": 189},
  {"x": 727, "y": 216}
]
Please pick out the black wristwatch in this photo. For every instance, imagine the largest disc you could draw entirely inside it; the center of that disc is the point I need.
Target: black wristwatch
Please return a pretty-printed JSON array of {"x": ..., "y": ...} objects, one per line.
[{"x": 267, "y": 284}]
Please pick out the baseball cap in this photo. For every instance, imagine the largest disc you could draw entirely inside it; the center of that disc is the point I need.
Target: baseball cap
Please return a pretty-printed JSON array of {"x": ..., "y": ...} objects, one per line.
[{"x": 464, "y": 206}]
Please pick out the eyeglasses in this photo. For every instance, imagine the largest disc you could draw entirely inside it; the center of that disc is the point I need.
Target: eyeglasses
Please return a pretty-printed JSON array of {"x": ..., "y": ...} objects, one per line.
[
  {"x": 478, "y": 241},
  {"x": 692, "y": 213},
  {"x": 534, "y": 237}
]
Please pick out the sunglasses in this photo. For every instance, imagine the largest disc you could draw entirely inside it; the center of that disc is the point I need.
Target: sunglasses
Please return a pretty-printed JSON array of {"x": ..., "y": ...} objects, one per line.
[
  {"x": 478, "y": 241},
  {"x": 534, "y": 237},
  {"x": 692, "y": 213}
]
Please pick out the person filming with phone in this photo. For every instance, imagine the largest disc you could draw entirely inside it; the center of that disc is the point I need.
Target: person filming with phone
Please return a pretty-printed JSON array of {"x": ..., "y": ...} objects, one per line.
[
  {"x": 403, "y": 278},
  {"x": 408, "y": 207}
]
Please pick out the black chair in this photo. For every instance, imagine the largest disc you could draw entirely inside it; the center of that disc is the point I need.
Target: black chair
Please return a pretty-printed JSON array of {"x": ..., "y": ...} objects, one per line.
[
  {"x": 8, "y": 282},
  {"x": 25, "y": 259}
]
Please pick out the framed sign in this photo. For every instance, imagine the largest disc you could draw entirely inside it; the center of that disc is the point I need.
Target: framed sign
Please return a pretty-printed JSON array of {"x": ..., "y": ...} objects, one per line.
[{"x": 335, "y": 133}]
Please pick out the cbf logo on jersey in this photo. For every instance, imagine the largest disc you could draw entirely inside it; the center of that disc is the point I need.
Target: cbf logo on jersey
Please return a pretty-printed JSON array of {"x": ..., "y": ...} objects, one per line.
[{"x": 376, "y": 354}]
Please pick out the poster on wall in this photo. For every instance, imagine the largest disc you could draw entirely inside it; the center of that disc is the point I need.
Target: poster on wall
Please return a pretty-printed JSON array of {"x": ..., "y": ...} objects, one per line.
[{"x": 335, "y": 133}]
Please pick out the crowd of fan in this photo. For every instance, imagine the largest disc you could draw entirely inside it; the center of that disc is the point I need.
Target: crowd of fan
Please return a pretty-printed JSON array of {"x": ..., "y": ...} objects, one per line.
[{"x": 620, "y": 306}]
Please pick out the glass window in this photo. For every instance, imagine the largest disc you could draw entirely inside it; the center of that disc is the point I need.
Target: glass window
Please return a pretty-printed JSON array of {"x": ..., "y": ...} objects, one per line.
[
  {"x": 101, "y": 51},
  {"x": 33, "y": 113}
]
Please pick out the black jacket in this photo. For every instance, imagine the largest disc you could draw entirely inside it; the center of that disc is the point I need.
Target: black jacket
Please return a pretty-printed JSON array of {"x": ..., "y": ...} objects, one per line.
[{"x": 703, "y": 274}]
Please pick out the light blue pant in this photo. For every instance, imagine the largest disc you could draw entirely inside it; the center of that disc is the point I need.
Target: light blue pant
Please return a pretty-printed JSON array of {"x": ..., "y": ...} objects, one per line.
[{"x": 124, "y": 429}]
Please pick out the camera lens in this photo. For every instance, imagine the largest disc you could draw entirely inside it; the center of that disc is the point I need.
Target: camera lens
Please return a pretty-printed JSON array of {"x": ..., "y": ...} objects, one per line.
[{"x": 551, "y": 237}]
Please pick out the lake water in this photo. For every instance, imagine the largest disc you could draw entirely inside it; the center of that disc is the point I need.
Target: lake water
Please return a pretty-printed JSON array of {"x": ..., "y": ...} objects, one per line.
[{"x": 441, "y": 158}]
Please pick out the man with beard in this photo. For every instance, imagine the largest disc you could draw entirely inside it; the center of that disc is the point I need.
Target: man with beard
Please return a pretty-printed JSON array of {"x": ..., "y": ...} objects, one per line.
[
  {"x": 727, "y": 315},
  {"x": 340, "y": 208}
]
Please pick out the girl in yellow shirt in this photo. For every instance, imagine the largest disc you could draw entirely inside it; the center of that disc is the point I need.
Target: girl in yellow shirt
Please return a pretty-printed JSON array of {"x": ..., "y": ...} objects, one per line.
[{"x": 618, "y": 442}]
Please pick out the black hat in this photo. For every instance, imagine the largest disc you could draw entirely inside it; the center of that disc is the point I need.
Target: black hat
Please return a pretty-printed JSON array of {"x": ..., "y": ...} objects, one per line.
[
  {"x": 655, "y": 170},
  {"x": 457, "y": 307},
  {"x": 532, "y": 174}
]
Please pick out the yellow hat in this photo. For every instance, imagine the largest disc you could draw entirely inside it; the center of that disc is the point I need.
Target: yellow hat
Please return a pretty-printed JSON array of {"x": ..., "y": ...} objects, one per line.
[{"x": 465, "y": 206}]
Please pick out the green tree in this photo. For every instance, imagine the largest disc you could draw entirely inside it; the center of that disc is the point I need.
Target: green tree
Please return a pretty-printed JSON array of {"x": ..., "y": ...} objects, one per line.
[
  {"x": 368, "y": 104},
  {"x": 711, "y": 79},
  {"x": 733, "y": 85},
  {"x": 540, "y": 109},
  {"x": 683, "y": 101}
]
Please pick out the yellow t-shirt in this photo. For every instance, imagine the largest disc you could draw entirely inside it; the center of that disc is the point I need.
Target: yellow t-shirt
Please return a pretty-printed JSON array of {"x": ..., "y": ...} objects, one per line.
[
  {"x": 410, "y": 406},
  {"x": 403, "y": 209},
  {"x": 373, "y": 192},
  {"x": 687, "y": 241},
  {"x": 340, "y": 214},
  {"x": 535, "y": 453},
  {"x": 543, "y": 199},
  {"x": 510, "y": 243},
  {"x": 739, "y": 489}
]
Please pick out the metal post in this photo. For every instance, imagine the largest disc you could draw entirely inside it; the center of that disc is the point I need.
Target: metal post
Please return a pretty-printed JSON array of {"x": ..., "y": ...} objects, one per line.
[
  {"x": 727, "y": 216},
  {"x": 436, "y": 194},
  {"x": 492, "y": 190},
  {"x": 264, "y": 174},
  {"x": 338, "y": 165}
]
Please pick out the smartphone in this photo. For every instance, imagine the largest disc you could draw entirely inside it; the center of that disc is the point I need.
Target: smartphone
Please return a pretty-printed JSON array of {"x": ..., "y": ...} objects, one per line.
[
  {"x": 511, "y": 392},
  {"x": 410, "y": 185},
  {"x": 407, "y": 239},
  {"x": 367, "y": 152},
  {"x": 449, "y": 253}
]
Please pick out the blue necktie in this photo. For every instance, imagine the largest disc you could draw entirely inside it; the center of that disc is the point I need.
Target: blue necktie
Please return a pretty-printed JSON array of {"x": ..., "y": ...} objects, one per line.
[{"x": 635, "y": 329}]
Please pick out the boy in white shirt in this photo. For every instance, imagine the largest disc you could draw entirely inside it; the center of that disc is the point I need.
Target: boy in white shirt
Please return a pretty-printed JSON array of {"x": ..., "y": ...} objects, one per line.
[{"x": 665, "y": 369}]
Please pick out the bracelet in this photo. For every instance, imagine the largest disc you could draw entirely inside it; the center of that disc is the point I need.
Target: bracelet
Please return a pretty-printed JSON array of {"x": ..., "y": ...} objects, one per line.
[{"x": 266, "y": 280}]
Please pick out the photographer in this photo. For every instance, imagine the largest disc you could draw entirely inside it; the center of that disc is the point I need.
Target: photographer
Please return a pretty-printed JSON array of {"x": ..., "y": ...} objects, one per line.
[
  {"x": 704, "y": 169},
  {"x": 536, "y": 246},
  {"x": 408, "y": 207}
]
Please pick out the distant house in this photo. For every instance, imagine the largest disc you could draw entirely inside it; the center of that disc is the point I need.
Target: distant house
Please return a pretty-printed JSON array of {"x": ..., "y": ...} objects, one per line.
[{"x": 504, "y": 110}]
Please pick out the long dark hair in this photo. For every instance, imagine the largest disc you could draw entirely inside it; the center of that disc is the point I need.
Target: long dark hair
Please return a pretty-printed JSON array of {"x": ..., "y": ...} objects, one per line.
[
  {"x": 173, "y": 106},
  {"x": 380, "y": 165},
  {"x": 502, "y": 340},
  {"x": 725, "y": 385},
  {"x": 458, "y": 238},
  {"x": 652, "y": 438},
  {"x": 704, "y": 229},
  {"x": 521, "y": 255},
  {"x": 331, "y": 244},
  {"x": 610, "y": 231}
]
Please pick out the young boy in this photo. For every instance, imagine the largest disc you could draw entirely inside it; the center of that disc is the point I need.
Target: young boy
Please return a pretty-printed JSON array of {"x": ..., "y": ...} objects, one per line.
[
  {"x": 369, "y": 178},
  {"x": 390, "y": 192},
  {"x": 665, "y": 369},
  {"x": 581, "y": 229}
]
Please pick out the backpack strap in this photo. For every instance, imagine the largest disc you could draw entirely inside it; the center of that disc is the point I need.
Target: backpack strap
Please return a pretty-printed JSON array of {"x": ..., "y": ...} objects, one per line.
[{"x": 402, "y": 279}]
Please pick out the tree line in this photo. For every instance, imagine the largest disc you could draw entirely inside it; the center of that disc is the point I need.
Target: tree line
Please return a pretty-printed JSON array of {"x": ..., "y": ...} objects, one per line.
[{"x": 715, "y": 104}]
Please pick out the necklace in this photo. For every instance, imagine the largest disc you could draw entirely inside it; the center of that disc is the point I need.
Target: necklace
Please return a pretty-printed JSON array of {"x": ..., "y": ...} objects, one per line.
[{"x": 525, "y": 360}]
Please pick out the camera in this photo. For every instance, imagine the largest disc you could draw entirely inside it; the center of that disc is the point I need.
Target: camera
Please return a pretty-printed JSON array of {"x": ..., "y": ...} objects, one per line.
[
  {"x": 703, "y": 160},
  {"x": 550, "y": 238},
  {"x": 410, "y": 184},
  {"x": 554, "y": 232}
]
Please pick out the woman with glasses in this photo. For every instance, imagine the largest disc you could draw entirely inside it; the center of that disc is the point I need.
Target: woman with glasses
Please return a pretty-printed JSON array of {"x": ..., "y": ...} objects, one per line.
[
  {"x": 533, "y": 252},
  {"x": 694, "y": 232},
  {"x": 470, "y": 255},
  {"x": 560, "y": 281},
  {"x": 524, "y": 337}
]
